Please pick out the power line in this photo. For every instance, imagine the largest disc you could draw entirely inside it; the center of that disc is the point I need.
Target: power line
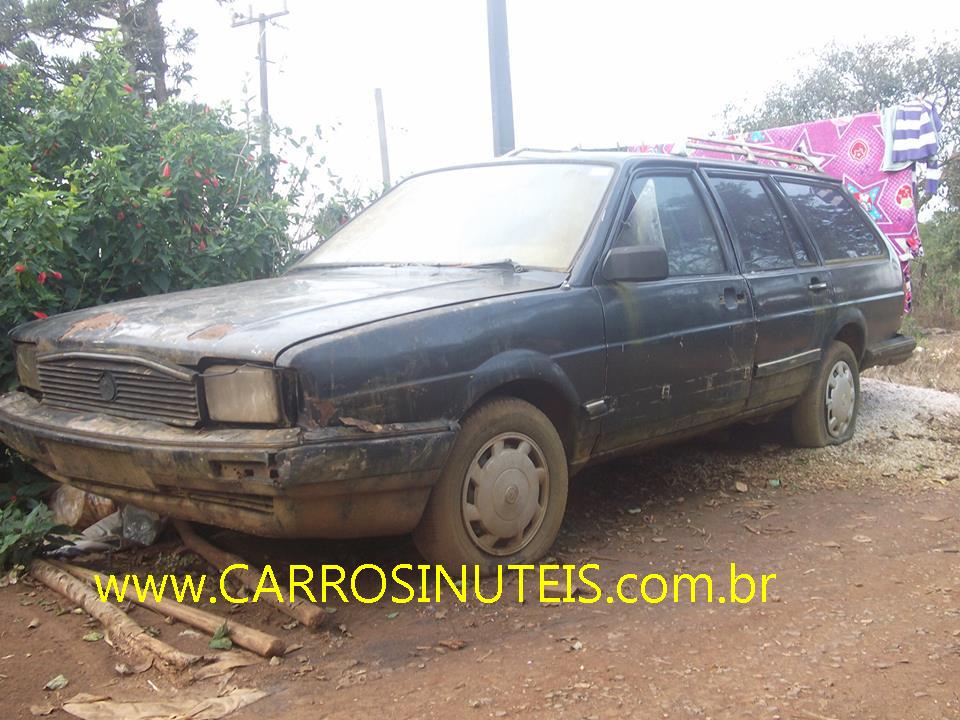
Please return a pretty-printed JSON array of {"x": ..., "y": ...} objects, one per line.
[{"x": 262, "y": 19}]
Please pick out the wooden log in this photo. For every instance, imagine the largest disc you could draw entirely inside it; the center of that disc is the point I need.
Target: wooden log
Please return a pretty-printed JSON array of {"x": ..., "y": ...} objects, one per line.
[
  {"x": 125, "y": 634},
  {"x": 261, "y": 643},
  {"x": 307, "y": 614}
]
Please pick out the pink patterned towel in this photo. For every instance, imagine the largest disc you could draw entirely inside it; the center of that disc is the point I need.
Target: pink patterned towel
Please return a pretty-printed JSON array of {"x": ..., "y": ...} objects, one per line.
[{"x": 850, "y": 149}]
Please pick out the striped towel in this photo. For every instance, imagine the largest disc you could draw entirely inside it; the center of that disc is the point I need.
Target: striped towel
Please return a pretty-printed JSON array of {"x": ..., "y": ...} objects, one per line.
[{"x": 916, "y": 138}]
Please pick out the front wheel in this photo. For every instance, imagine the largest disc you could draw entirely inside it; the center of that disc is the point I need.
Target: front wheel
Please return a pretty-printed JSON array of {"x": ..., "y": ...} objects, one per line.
[
  {"x": 827, "y": 411},
  {"x": 501, "y": 497}
]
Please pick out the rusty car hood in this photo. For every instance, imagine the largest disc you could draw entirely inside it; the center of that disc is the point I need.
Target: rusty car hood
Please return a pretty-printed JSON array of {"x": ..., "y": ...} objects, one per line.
[{"x": 259, "y": 319}]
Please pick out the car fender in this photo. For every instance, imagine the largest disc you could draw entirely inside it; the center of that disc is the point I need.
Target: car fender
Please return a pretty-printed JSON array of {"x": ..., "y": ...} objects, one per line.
[
  {"x": 847, "y": 316},
  {"x": 517, "y": 366}
]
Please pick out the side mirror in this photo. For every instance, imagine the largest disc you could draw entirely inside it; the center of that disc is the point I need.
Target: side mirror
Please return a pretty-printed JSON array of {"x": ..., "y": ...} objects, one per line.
[{"x": 636, "y": 264}]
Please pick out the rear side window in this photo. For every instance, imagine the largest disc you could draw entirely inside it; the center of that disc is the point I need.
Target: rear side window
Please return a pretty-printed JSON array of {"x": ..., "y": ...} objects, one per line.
[
  {"x": 841, "y": 232},
  {"x": 759, "y": 234},
  {"x": 667, "y": 211}
]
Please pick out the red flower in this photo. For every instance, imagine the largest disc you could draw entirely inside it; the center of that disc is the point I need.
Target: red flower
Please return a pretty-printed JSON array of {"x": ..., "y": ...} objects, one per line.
[
  {"x": 206, "y": 182},
  {"x": 202, "y": 245},
  {"x": 127, "y": 88},
  {"x": 121, "y": 215},
  {"x": 56, "y": 275},
  {"x": 197, "y": 173},
  {"x": 216, "y": 182},
  {"x": 139, "y": 226},
  {"x": 168, "y": 192},
  {"x": 20, "y": 267},
  {"x": 166, "y": 170},
  {"x": 196, "y": 228},
  {"x": 40, "y": 315},
  {"x": 42, "y": 277}
]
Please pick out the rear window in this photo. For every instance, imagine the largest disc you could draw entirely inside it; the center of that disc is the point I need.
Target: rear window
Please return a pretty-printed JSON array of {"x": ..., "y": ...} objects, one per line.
[{"x": 837, "y": 227}]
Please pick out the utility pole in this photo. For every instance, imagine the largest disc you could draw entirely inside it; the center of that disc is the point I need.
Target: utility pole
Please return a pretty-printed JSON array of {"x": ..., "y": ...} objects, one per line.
[
  {"x": 262, "y": 20},
  {"x": 501, "y": 94},
  {"x": 382, "y": 129},
  {"x": 270, "y": 250}
]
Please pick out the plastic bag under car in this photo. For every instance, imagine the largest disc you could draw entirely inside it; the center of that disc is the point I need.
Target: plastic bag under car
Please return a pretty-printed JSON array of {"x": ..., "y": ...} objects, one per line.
[
  {"x": 126, "y": 527},
  {"x": 77, "y": 508}
]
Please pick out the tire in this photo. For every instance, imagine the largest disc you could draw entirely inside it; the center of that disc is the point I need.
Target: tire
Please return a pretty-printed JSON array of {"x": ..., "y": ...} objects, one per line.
[
  {"x": 827, "y": 411},
  {"x": 528, "y": 458}
]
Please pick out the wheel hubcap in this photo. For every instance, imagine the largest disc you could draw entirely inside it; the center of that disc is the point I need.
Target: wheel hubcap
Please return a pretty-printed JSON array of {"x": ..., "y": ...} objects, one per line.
[
  {"x": 505, "y": 494},
  {"x": 841, "y": 399}
]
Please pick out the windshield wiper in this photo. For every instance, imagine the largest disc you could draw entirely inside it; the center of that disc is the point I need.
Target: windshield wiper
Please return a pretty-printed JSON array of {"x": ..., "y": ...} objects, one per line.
[
  {"x": 505, "y": 264},
  {"x": 340, "y": 265}
]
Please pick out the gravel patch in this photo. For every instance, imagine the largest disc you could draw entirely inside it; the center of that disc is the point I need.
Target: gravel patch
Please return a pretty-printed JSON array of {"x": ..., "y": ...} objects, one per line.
[{"x": 907, "y": 438}]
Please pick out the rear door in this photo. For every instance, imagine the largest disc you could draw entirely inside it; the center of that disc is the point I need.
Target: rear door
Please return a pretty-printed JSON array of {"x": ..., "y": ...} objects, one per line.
[
  {"x": 679, "y": 350},
  {"x": 866, "y": 279},
  {"x": 790, "y": 287}
]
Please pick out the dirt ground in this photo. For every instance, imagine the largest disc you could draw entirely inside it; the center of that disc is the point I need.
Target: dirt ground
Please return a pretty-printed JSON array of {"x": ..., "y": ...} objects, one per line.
[{"x": 863, "y": 619}]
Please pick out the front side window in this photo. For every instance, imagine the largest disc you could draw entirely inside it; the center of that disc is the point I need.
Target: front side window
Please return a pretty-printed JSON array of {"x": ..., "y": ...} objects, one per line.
[
  {"x": 534, "y": 214},
  {"x": 760, "y": 236},
  {"x": 838, "y": 229},
  {"x": 667, "y": 211}
]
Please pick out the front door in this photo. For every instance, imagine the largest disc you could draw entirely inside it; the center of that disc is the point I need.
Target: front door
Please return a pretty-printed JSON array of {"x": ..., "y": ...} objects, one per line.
[
  {"x": 790, "y": 288},
  {"x": 679, "y": 350}
]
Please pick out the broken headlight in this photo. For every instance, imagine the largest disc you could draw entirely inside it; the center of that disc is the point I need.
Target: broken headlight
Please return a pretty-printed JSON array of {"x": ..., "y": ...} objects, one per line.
[
  {"x": 26, "y": 354},
  {"x": 243, "y": 394}
]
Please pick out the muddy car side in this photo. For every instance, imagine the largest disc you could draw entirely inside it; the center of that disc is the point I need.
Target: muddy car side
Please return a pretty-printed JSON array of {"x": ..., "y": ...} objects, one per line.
[{"x": 455, "y": 399}]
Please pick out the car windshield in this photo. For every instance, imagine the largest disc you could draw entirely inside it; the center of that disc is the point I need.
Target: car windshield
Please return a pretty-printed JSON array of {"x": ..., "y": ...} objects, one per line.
[{"x": 527, "y": 214}]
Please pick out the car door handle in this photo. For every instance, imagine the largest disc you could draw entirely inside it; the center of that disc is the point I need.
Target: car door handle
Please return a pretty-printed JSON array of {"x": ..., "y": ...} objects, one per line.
[
  {"x": 816, "y": 285},
  {"x": 732, "y": 297}
]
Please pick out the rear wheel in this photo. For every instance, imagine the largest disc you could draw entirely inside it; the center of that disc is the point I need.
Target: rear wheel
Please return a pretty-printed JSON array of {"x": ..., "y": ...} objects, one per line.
[
  {"x": 501, "y": 497},
  {"x": 827, "y": 411}
]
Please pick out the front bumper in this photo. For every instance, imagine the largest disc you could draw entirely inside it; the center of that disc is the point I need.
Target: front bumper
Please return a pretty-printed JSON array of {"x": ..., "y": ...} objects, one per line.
[{"x": 279, "y": 482}]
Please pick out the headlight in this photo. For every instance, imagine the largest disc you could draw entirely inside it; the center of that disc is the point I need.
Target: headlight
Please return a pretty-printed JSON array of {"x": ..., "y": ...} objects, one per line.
[
  {"x": 26, "y": 354},
  {"x": 243, "y": 394}
]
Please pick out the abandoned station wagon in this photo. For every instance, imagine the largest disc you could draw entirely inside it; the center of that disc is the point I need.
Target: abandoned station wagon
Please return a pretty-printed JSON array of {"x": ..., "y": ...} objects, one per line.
[{"x": 446, "y": 360}]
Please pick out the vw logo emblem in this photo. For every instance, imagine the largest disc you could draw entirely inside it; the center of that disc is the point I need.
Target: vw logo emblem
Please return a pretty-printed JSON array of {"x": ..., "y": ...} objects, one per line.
[{"x": 108, "y": 387}]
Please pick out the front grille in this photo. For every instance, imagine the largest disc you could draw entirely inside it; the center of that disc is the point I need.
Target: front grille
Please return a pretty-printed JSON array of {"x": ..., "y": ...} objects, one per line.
[{"x": 122, "y": 386}]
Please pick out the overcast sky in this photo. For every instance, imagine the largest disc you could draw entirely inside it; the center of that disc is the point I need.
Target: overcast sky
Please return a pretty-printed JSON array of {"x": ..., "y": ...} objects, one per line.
[{"x": 584, "y": 73}]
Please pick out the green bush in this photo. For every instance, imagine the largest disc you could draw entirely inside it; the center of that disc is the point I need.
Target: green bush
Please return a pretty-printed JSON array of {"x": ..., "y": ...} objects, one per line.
[
  {"x": 105, "y": 198},
  {"x": 22, "y": 533},
  {"x": 25, "y": 521},
  {"x": 936, "y": 276}
]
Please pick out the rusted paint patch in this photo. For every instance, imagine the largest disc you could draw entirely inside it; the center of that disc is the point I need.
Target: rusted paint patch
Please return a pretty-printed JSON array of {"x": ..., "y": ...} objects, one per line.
[
  {"x": 321, "y": 411},
  {"x": 364, "y": 425},
  {"x": 213, "y": 332},
  {"x": 103, "y": 321}
]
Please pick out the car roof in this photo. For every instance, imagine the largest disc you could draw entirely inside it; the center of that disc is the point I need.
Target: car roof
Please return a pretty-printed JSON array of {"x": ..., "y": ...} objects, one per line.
[{"x": 627, "y": 157}]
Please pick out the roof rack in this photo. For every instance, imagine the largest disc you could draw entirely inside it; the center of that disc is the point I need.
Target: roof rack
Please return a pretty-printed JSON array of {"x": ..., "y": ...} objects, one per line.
[
  {"x": 517, "y": 151},
  {"x": 750, "y": 152}
]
